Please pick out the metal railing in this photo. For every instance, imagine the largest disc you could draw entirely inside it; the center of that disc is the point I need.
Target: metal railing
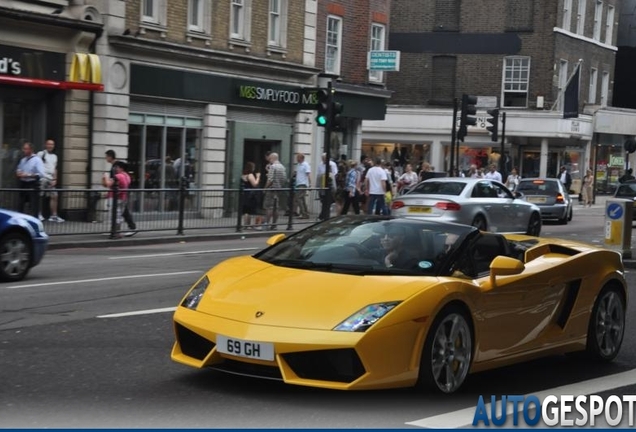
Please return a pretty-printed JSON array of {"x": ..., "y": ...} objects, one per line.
[{"x": 95, "y": 211}]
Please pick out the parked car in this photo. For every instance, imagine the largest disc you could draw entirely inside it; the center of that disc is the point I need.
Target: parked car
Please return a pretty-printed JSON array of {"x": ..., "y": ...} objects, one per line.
[
  {"x": 483, "y": 203},
  {"x": 23, "y": 243},
  {"x": 627, "y": 190},
  {"x": 550, "y": 196},
  {"x": 370, "y": 302}
]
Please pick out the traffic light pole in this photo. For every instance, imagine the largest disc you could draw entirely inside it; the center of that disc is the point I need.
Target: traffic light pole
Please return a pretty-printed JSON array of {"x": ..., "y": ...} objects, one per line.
[
  {"x": 502, "y": 159},
  {"x": 327, "y": 198},
  {"x": 453, "y": 137}
]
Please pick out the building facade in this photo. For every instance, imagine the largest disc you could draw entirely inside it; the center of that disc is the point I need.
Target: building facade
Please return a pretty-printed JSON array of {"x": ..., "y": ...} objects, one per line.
[
  {"x": 44, "y": 94},
  {"x": 517, "y": 55},
  {"x": 346, "y": 31}
]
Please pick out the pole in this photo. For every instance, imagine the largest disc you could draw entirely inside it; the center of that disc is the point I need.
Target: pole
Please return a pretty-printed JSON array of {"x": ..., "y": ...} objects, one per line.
[
  {"x": 502, "y": 160},
  {"x": 453, "y": 137},
  {"x": 292, "y": 181},
  {"x": 326, "y": 202}
]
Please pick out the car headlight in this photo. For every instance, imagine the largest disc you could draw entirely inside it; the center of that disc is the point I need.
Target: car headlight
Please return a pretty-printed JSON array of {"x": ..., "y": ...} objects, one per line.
[
  {"x": 191, "y": 301},
  {"x": 366, "y": 317}
]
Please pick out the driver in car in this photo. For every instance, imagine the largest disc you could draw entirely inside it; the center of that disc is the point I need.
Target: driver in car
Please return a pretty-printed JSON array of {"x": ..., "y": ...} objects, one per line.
[{"x": 397, "y": 255}]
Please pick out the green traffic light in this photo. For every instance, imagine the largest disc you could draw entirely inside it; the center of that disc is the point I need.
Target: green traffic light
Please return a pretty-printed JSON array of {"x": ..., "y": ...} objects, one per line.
[{"x": 321, "y": 120}]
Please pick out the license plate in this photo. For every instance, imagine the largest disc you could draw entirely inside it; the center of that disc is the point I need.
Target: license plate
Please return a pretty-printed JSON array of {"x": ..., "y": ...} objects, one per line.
[
  {"x": 243, "y": 348},
  {"x": 536, "y": 199},
  {"x": 416, "y": 209}
]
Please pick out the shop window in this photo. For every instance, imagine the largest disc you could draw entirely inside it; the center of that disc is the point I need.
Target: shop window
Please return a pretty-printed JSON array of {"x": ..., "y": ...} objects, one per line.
[{"x": 162, "y": 150}]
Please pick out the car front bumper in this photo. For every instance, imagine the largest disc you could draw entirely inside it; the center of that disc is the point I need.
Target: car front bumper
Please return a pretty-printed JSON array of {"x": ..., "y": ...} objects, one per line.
[
  {"x": 40, "y": 244},
  {"x": 317, "y": 358}
]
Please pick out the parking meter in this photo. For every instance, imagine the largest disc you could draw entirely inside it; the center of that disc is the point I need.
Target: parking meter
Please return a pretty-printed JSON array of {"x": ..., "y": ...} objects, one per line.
[{"x": 618, "y": 225}]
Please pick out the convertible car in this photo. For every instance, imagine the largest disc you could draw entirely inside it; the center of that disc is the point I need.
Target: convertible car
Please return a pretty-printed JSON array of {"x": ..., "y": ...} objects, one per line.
[{"x": 369, "y": 302}]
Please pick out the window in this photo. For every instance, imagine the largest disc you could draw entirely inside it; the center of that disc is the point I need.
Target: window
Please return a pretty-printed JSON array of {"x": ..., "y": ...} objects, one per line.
[
  {"x": 591, "y": 97},
  {"x": 377, "y": 44},
  {"x": 598, "y": 15},
  {"x": 567, "y": 15},
  {"x": 447, "y": 15},
  {"x": 240, "y": 19},
  {"x": 519, "y": 15},
  {"x": 605, "y": 89},
  {"x": 334, "y": 42},
  {"x": 277, "y": 23},
  {"x": 563, "y": 80},
  {"x": 516, "y": 78},
  {"x": 196, "y": 15},
  {"x": 153, "y": 12},
  {"x": 580, "y": 17},
  {"x": 609, "y": 25}
]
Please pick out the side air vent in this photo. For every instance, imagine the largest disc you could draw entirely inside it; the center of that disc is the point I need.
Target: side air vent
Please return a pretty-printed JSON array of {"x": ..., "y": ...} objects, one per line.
[{"x": 569, "y": 298}]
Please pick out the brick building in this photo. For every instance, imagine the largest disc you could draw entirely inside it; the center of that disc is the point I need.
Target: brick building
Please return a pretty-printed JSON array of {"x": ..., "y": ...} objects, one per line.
[
  {"x": 517, "y": 55},
  {"x": 347, "y": 31}
]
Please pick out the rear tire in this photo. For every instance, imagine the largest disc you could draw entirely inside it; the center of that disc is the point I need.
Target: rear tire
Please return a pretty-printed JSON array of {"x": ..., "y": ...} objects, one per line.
[
  {"x": 534, "y": 225},
  {"x": 480, "y": 223},
  {"x": 448, "y": 352},
  {"x": 15, "y": 257},
  {"x": 606, "y": 329}
]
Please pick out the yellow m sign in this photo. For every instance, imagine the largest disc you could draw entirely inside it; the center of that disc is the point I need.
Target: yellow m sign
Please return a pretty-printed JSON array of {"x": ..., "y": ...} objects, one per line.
[{"x": 86, "y": 68}]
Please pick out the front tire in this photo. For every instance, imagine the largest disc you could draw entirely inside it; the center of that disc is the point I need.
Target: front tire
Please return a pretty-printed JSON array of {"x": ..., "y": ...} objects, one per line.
[
  {"x": 607, "y": 325},
  {"x": 534, "y": 225},
  {"x": 447, "y": 354},
  {"x": 480, "y": 223},
  {"x": 15, "y": 257}
]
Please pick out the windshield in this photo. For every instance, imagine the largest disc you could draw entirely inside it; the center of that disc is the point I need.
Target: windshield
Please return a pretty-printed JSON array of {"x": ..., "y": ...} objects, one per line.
[
  {"x": 626, "y": 190},
  {"x": 438, "y": 188},
  {"x": 369, "y": 245}
]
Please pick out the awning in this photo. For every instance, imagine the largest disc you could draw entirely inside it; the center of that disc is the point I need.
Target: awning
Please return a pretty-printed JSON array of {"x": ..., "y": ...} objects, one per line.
[{"x": 42, "y": 83}]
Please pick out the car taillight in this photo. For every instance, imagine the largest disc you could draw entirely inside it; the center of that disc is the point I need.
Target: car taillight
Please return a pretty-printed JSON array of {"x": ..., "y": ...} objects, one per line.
[
  {"x": 559, "y": 199},
  {"x": 448, "y": 206},
  {"x": 396, "y": 205}
]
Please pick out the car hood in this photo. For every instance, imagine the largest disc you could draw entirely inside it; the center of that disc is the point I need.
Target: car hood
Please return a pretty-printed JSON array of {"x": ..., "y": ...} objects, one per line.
[
  {"x": 9, "y": 214},
  {"x": 298, "y": 298}
]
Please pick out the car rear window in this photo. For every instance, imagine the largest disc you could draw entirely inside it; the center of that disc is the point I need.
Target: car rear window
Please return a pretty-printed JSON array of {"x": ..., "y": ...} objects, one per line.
[
  {"x": 626, "y": 190},
  {"x": 439, "y": 188},
  {"x": 538, "y": 187}
]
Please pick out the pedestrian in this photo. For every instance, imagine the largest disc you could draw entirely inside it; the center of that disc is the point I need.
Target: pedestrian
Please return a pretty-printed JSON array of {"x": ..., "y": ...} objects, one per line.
[
  {"x": 565, "y": 178},
  {"x": 586, "y": 191},
  {"x": 274, "y": 200},
  {"x": 48, "y": 182},
  {"x": 122, "y": 179},
  {"x": 376, "y": 187},
  {"x": 29, "y": 172},
  {"x": 111, "y": 158}
]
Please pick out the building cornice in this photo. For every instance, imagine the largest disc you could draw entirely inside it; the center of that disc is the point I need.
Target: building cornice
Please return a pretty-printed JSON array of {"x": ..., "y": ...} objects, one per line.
[
  {"x": 172, "y": 50},
  {"x": 585, "y": 39},
  {"x": 52, "y": 20}
]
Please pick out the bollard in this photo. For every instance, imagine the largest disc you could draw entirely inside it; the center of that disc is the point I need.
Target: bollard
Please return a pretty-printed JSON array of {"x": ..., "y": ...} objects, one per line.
[
  {"x": 618, "y": 225},
  {"x": 114, "y": 229},
  {"x": 239, "y": 213},
  {"x": 183, "y": 190},
  {"x": 290, "y": 205}
]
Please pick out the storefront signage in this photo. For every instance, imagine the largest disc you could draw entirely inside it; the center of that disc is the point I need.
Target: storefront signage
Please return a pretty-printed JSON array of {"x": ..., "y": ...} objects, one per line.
[
  {"x": 277, "y": 95},
  {"x": 8, "y": 66},
  {"x": 28, "y": 63},
  {"x": 383, "y": 61},
  {"x": 616, "y": 161},
  {"x": 576, "y": 126}
]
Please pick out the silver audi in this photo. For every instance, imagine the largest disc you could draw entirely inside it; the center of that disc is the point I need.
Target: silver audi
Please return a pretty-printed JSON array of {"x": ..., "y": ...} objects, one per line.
[{"x": 483, "y": 203}]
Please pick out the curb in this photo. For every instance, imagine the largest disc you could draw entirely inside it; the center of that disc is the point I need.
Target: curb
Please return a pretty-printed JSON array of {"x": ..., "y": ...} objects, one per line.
[{"x": 140, "y": 241}]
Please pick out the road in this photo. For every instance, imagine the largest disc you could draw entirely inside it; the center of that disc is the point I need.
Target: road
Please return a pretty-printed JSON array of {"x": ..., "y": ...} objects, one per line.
[{"x": 71, "y": 355}]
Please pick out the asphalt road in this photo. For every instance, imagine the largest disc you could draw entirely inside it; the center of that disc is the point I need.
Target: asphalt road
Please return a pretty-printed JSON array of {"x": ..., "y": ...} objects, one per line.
[{"x": 62, "y": 364}]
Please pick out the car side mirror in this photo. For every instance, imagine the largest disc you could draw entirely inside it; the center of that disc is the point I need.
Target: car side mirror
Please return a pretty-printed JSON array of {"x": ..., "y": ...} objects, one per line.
[
  {"x": 276, "y": 238},
  {"x": 505, "y": 266},
  {"x": 519, "y": 195}
]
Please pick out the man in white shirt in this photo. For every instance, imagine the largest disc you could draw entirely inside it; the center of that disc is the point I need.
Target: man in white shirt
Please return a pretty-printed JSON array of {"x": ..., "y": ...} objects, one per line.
[
  {"x": 326, "y": 196},
  {"x": 49, "y": 181},
  {"x": 493, "y": 174},
  {"x": 303, "y": 173},
  {"x": 375, "y": 188}
]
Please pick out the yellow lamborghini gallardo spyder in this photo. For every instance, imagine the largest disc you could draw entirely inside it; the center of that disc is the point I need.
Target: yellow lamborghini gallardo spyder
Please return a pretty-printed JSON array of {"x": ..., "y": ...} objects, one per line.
[{"x": 369, "y": 302}]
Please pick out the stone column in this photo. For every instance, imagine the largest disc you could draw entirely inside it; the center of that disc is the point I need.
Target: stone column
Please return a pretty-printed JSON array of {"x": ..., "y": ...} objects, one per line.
[{"x": 543, "y": 165}]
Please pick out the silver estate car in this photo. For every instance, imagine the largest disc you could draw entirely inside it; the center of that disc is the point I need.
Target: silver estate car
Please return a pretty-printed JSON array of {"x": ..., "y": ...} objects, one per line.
[
  {"x": 550, "y": 196},
  {"x": 483, "y": 203}
]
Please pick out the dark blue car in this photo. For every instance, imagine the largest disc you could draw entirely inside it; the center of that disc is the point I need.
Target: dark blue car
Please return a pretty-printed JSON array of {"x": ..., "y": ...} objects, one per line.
[{"x": 22, "y": 244}]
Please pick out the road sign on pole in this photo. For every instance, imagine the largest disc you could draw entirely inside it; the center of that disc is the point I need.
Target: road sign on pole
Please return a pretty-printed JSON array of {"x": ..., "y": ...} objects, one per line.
[{"x": 383, "y": 61}]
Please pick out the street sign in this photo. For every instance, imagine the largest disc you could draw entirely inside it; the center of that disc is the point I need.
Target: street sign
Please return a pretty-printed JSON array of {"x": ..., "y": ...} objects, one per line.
[
  {"x": 614, "y": 211},
  {"x": 383, "y": 61}
]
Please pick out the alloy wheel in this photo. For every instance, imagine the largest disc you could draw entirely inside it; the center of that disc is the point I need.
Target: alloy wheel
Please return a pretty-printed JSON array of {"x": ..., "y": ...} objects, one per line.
[{"x": 451, "y": 352}]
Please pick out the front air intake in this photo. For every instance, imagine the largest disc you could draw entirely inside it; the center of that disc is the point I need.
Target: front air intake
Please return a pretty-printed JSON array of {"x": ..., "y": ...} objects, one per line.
[
  {"x": 192, "y": 344},
  {"x": 339, "y": 365}
]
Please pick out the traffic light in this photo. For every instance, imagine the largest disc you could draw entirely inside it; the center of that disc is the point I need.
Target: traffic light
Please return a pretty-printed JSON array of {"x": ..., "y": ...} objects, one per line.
[
  {"x": 337, "y": 122},
  {"x": 467, "y": 119},
  {"x": 322, "y": 106},
  {"x": 494, "y": 121}
]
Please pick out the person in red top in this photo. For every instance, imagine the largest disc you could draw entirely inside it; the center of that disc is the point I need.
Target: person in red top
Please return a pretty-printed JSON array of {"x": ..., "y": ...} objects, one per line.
[{"x": 123, "y": 183}]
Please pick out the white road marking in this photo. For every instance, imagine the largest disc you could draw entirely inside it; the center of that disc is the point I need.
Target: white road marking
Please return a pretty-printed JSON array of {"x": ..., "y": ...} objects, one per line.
[
  {"x": 73, "y": 282},
  {"x": 464, "y": 418},
  {"x": 141, "y": 312},
  {"x": 181, "y": 253}
]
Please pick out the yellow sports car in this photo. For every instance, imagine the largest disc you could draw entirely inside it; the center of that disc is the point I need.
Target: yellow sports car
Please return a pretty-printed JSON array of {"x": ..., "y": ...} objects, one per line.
[{"x": 368, "y": 302}]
